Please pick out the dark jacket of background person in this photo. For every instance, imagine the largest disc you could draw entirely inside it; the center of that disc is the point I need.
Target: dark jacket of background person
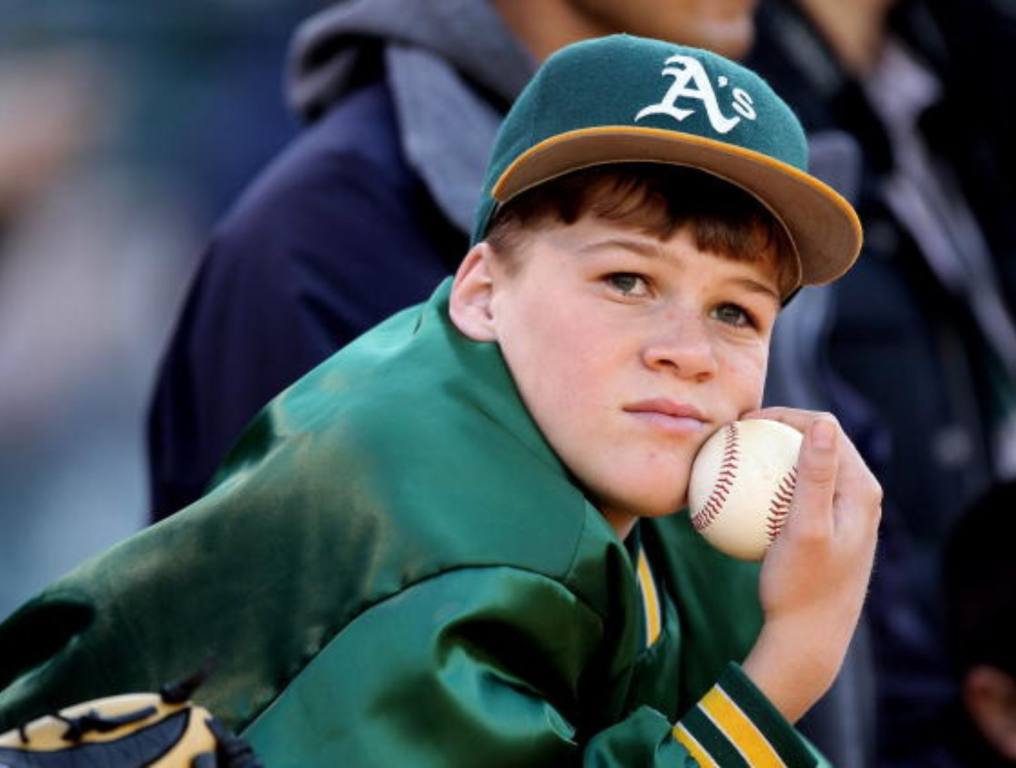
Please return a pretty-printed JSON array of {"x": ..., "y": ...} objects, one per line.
[
  {"x": 911, "y": 338},
  {"x": 361, "y": 216},
  {"x": 972, "y": 54}
]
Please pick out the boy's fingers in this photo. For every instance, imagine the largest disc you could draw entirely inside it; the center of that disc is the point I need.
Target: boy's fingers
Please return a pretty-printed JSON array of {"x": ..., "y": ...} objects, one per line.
[
  {"x": 812, "y": 519},
  {"x": 852, "y": 468},
  {"x": 860, "y": 490},
  {"x": 793, "y": 417},
  {"x": 862, "y": 502}
]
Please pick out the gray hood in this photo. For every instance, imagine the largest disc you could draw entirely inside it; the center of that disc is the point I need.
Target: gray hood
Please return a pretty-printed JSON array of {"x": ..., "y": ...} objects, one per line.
[
  {"x": 468, "y": 34},
  {"x": 441, "y": 57}
]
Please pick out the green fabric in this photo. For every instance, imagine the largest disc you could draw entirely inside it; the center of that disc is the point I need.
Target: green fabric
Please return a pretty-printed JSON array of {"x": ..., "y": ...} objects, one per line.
[
  {"x": 478, "y": 666},
  {"x": 713, "y": 740},
  {"x": 764, "y": 715},
  {"x": 395, "y": 564},
  {"x": 607, "y": 81},
  {"x": 715, "y": 595}
]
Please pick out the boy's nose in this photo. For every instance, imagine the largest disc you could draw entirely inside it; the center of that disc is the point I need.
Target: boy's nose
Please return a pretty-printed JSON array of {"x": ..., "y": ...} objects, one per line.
[{"x": 683, "y": 347}]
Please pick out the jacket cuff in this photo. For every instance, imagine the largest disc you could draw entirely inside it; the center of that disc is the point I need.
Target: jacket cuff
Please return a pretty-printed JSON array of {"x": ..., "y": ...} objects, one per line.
[{"x": 736, "y": 725}]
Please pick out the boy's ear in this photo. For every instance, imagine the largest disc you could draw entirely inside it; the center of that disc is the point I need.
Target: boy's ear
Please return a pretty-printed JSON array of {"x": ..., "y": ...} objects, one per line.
[{"x": 472, "y": 294}]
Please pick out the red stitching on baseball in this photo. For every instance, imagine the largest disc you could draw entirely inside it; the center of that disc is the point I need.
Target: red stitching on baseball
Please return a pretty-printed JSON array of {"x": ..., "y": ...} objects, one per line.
[
  {"x": 779, "y": 505},
  {"x": 724, "y": 480}
]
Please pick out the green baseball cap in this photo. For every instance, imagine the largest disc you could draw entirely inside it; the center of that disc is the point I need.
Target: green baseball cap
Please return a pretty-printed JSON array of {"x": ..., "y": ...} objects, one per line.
[{"x": 623, "y": 99}]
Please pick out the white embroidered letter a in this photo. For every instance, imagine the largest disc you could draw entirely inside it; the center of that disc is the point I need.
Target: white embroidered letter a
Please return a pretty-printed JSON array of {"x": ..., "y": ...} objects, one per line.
[{"x": 690, "y": 72}]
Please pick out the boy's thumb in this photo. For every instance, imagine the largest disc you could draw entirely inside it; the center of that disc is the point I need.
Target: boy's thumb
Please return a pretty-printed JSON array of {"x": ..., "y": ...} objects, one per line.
[{"x": 816, "y": 478}]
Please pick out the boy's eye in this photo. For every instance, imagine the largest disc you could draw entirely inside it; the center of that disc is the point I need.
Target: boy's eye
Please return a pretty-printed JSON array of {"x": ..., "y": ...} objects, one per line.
[
  {"x": 628, "y": 283},
  {"x": 732, "y": 314}
]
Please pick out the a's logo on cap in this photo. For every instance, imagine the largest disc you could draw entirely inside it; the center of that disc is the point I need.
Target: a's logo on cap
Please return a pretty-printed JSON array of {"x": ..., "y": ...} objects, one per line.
[{"x": 692, "y": 82}]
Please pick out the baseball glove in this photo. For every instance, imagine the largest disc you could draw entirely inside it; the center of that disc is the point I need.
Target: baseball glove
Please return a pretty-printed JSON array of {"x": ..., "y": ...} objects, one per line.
[{"x": 162, "y": 730}]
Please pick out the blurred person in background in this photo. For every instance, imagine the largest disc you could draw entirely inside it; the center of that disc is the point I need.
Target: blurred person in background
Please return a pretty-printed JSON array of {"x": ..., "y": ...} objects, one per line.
[
  {"x": 118, "y": 144},
  {"x": 979, "y": 573},
  {"x": 919, "y": 344}
]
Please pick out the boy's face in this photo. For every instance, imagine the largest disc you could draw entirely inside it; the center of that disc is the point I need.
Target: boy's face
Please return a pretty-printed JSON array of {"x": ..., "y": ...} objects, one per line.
[{"x": 629, "y": 351}]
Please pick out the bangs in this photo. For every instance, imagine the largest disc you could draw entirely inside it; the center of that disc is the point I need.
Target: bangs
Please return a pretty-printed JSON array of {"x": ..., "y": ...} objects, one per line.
[{"x": 657, "y": 200}]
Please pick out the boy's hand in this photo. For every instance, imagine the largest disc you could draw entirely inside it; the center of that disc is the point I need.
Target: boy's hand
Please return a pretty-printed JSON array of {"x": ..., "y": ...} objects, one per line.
[{"x": 815, "y": 575}]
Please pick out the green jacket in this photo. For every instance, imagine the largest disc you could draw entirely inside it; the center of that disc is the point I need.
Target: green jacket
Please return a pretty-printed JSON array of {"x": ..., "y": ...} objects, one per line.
[{"x": 395, "y": 569}]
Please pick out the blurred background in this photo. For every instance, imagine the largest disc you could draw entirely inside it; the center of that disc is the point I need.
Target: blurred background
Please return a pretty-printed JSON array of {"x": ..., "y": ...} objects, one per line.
[{"x": 125, "y": 132}]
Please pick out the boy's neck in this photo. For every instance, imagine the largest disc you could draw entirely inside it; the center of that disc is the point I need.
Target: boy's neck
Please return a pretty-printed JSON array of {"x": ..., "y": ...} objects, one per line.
[{"x": 621, "y": 522}]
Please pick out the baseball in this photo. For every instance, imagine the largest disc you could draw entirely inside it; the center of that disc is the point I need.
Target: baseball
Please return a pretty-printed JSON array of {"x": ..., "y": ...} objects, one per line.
[{"x": 741, "y": 485}]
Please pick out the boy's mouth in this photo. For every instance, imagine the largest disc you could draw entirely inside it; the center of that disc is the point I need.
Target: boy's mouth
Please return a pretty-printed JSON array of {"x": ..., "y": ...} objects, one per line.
[{"x": 668, "y": 415}]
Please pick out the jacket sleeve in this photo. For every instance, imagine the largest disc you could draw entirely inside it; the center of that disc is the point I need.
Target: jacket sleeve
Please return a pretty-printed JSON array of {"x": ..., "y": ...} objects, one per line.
[{"x": 498, "y": 667}]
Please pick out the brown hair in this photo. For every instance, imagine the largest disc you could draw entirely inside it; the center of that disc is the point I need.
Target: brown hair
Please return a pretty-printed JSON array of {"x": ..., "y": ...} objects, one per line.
[{"x": 658, "y": 200}]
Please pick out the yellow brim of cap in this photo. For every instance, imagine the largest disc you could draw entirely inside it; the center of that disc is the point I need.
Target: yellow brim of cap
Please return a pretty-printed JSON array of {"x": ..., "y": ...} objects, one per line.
[{"x": 823, "y": 227}]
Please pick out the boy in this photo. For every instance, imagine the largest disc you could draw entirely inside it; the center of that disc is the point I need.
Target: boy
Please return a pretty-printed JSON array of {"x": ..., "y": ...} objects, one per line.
[{"x": 427, "y": 551}]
